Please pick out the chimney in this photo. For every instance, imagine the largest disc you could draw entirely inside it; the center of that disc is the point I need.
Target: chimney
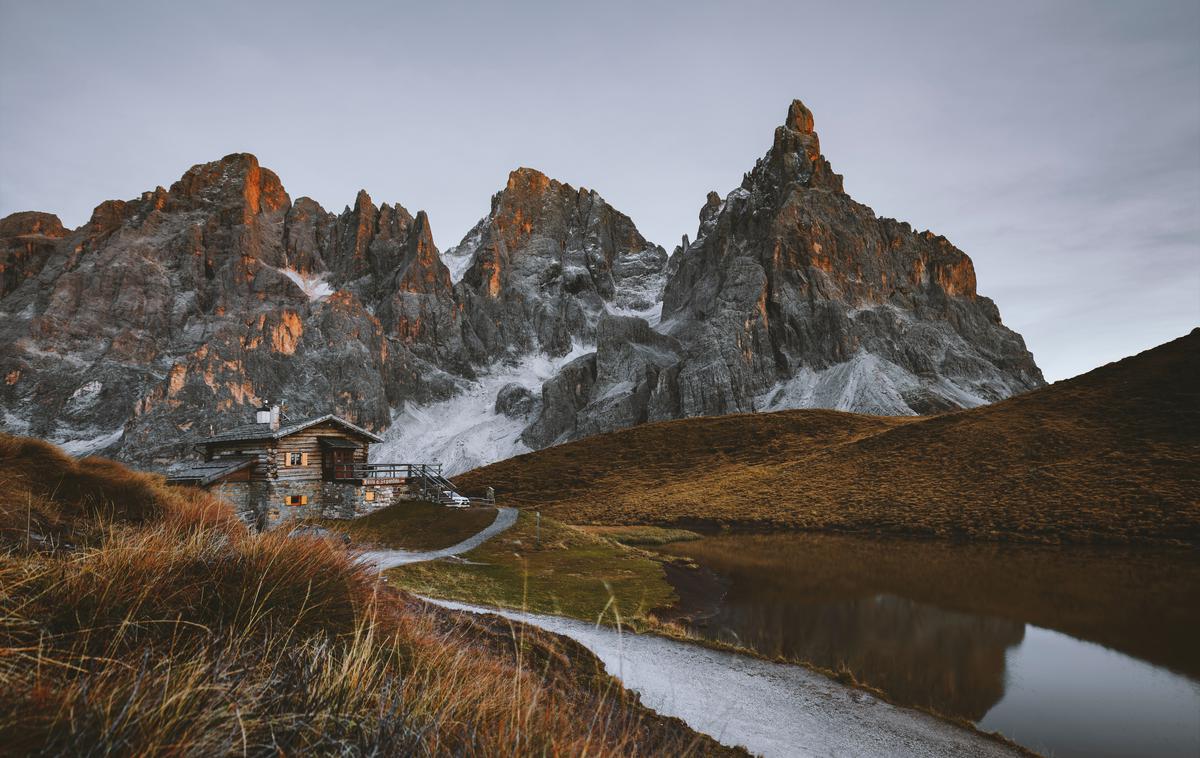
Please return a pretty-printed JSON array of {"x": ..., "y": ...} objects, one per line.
[{"x": 268, "y": 414}]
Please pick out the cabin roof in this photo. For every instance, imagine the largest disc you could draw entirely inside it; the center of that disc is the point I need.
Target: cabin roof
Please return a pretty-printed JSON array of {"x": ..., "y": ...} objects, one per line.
[
  {"x": 207, "y": 472},
  {"x": 265, "y": 432}
]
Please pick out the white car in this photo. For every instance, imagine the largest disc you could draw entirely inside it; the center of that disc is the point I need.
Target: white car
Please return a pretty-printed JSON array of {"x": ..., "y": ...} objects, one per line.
[{"x": 455, "y": 500}]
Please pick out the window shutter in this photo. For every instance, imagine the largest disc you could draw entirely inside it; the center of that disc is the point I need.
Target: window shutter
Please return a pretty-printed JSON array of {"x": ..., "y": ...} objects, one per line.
[
  {"x": 287, "y": 459},
  {"x": 304, "y": 459}
]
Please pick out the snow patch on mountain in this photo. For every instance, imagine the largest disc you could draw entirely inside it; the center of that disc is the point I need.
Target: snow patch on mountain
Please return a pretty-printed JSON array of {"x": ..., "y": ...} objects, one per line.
[
  {"x": 466, "y": 432},
  {"x": 313, "y": 285},
  {"x": 458, "y": 258},
  {"x": 864, "y": 384},
  {"x": 652, "y": 315},
  {"x": 85, "y": 395},
  {"x": 90, "y": 445}
]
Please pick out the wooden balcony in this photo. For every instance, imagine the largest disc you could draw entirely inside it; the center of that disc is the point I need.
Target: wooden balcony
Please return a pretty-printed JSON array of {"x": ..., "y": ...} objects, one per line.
[{"x": 382, "y": 473}]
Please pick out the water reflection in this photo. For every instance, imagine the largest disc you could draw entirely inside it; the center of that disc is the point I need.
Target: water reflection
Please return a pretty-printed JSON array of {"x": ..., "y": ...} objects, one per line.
[
  {"x": 919, "y": 654},
  {"x": 960, "y": 628}
]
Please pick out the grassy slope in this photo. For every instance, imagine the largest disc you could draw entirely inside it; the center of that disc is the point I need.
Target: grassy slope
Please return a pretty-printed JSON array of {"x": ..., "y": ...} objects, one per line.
[
  {"x": 141, "y": 619},
  {"x": 569, "y": 573},
  {"x": 414, "y": 525},
  {"x": 1110, "y": 456}
]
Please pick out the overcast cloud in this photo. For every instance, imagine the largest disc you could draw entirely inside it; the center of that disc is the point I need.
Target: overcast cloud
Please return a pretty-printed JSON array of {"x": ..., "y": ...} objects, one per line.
[{"x": 1057, "y": 143}]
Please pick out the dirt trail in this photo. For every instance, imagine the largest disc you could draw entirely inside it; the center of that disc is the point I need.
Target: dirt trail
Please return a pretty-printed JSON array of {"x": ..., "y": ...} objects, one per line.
[{"x": 386, "y": 559}]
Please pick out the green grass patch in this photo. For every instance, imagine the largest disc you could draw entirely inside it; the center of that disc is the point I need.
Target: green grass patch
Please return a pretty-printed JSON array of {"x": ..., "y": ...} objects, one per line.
[
  {"x": 568, "y": 573},
  {"x": 413, "y": 525},
  {"x": 649, "y": 536}
]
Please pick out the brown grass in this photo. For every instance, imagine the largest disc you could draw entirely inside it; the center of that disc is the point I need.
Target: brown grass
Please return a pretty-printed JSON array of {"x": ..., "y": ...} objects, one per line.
[
  {"x": 157, "y": 625},
  {"x": 414, "y": 525},
  {"x": 645, "y": 536},
  {"x": 567, "y": 572},
  {"x": 1110, "y": 456}
]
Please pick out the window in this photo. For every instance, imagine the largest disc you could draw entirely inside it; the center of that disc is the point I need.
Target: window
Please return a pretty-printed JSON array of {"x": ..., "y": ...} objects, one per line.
[
  {"x": 296, "y": 500},
  {"x": 295, "y": 459},
  {"x": 370, "y": 496}
]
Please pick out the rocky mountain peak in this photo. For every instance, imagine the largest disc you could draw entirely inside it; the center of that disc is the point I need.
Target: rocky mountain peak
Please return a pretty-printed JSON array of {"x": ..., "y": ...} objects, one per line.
[
  {"x": 799, "y": 118},
  {"x": 363, "y": 204},
  {"x": 26, "y": 240},
  {"x": 794, "y": 158},
  {"x": 547, "y": 261},
  {"x": 37, "y": 223},
  {"x": 237, "y": 180},
  {"x": 525, "y": 179},
  {"x": 372, "y": 242}
]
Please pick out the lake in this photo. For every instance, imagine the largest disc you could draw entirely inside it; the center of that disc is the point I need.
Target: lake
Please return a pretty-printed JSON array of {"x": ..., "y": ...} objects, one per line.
[{"x": 1069, "y": 651}]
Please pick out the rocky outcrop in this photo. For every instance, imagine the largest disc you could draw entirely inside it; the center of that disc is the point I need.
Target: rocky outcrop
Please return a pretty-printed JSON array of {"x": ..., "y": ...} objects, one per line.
[
  {"x": 181, "y": 310},
  {"x": 514, "y": 400},
  {"x": 26, "y": 240},
  {"x": 547, "y": 262}
]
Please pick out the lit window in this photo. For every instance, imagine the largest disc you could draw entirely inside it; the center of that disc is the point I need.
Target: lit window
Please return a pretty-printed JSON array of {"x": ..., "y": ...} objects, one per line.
[{"x": 369, "y": 496}]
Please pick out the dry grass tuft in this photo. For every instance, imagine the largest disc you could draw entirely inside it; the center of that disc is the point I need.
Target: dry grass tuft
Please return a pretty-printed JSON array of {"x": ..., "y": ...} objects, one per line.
[{"x": 141, "y": 619}]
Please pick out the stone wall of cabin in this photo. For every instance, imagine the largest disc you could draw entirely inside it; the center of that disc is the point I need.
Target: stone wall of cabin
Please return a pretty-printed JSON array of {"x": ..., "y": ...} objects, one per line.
[
  {"x": 264, "y": 505},
  {"x": 240, "y": 495}
]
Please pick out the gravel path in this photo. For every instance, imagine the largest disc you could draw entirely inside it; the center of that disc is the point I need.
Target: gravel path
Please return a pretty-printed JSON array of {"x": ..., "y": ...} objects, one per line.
[
  {"x": 386, "y": 559},
  {"x": 770, "y": 708}
]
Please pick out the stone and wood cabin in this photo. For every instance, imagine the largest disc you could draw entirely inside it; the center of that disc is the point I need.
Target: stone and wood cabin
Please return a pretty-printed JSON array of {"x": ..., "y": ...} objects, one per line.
[{"x": 273, "y": 470}]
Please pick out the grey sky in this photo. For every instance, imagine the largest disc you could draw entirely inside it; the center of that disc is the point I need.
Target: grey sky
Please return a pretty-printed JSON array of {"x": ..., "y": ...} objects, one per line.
[{"x": 1057, "y": 143}]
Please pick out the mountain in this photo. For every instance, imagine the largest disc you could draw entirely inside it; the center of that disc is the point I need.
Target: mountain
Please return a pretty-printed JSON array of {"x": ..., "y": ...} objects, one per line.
[
  {"x": 794, "y": 295},
  {"x": 1109, "y": 456},
  {"x": 176, "y": 312},
  {"x": 553, "y": 319}
]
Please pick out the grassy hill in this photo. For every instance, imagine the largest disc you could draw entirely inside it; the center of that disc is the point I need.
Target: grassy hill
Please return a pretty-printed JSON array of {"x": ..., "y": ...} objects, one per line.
[
  {"x": 1109, "y": 456},
  {"x": 140, "y": 619}
]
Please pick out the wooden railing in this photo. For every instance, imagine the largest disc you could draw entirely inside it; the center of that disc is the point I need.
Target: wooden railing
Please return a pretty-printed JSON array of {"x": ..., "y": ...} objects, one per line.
[{"x": 369, "y": 471}]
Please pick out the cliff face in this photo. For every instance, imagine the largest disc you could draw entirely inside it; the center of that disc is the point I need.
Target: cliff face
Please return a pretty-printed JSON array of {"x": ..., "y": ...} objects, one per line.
[
  {"x": 180, "y": 310},
  {"x": 547, "y": 262}
]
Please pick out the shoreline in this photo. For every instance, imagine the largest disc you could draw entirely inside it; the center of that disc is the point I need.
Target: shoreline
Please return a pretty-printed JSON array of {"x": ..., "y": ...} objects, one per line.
[{"x": 772, "y": 708}]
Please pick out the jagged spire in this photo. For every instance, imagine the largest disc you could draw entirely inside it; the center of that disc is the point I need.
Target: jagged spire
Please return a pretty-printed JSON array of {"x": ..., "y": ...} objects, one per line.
[{"x": 799, "y": 118}]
